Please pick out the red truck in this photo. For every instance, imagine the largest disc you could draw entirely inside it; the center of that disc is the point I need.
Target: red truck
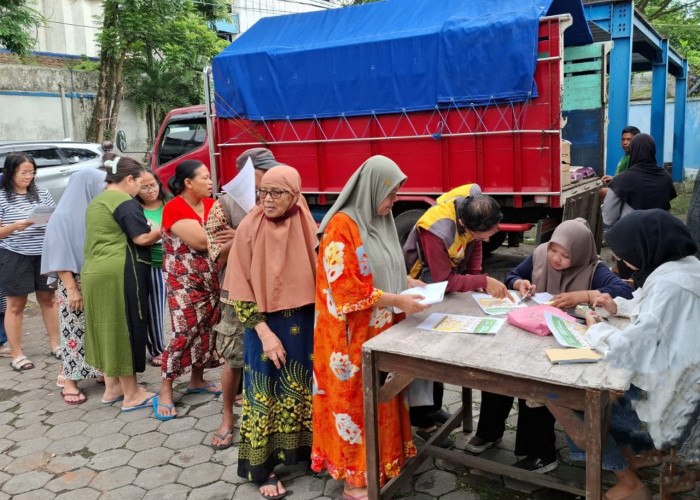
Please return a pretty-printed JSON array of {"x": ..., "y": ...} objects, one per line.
[{"x": 511, "y": 148}]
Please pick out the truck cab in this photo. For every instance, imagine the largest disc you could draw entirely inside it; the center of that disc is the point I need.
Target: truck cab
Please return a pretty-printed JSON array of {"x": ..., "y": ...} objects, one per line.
[{"x": 182, "y": 136}]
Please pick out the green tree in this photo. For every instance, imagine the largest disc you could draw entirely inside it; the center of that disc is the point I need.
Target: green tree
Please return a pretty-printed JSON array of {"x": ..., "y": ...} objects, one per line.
[
  {"x": 18, "y": 25},
  {"x": 158, "y": 48},
  {"x": 679, "y": 20}
]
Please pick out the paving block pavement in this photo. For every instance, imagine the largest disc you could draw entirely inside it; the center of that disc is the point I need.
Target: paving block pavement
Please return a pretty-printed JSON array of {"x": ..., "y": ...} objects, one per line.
[{"x": 51, "y": 450}]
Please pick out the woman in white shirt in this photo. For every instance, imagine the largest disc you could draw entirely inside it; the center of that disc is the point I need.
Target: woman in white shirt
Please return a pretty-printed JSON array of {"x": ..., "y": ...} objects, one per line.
[{"x": 660, "y": 347}]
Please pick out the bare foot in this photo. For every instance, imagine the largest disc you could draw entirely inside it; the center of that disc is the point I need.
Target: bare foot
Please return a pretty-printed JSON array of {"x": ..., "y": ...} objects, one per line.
[{"x": 270, "y": 488}]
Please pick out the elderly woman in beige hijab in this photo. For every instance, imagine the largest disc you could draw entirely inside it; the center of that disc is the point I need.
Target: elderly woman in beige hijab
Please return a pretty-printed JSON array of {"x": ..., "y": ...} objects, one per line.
[{"x": 271, "y": 278}]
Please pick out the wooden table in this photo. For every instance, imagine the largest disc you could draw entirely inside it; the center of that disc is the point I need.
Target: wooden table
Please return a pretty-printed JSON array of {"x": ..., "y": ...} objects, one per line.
[{"x": 512, "y": 362}]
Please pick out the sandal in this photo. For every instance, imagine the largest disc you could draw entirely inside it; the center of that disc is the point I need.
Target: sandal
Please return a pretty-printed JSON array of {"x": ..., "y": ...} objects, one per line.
[
  {"x": 157, "y": 360},
  {"x": 272, "y": 481},
  {"x": 223, "y": 438},
  {"x": 56, "y": 352},
  {"x": 60, "y": 380},
  {"x": 21, "y": 363},
  {"x": 5, "y": 351},
  {"x": 78, "y": 394}
]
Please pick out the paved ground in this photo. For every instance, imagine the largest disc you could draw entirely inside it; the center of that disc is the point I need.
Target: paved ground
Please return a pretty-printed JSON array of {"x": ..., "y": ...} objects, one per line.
[{"x": 51, "y": 450}]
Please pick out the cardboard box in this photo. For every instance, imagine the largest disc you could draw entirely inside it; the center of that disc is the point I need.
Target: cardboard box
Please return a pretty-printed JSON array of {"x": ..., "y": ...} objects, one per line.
[
  {"x": 566, "y": 152},
  {"x": 565, "y": 174}
]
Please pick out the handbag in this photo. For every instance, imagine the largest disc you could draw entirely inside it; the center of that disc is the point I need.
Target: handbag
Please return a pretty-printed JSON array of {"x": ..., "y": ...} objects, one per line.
[{"x": 532, "y": 318}]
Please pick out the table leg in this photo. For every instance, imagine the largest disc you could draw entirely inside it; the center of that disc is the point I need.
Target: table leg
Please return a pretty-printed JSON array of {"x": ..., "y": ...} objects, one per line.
[
  {"x": 597, "y": 403},
  {"x": 370, "y": 376},
  {"x": 467, "y": 417}
]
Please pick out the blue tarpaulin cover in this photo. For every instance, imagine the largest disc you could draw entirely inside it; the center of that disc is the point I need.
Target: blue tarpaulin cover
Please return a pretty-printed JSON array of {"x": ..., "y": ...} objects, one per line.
[{"x": 382, "y": 57}]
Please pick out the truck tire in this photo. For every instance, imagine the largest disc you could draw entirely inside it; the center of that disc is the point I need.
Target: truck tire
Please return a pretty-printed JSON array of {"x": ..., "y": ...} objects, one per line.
[
  {"x": 494, "y": 242},
  {"x": 405, "y": 222}
]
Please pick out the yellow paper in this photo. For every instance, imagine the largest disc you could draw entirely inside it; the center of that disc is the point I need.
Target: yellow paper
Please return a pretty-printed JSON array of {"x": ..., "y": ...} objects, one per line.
[{"x": 573, "y": 355}]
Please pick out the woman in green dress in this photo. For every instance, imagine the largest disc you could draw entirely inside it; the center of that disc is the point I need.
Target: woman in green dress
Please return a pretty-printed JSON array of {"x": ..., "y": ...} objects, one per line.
[{"x": 115, "y": 277}]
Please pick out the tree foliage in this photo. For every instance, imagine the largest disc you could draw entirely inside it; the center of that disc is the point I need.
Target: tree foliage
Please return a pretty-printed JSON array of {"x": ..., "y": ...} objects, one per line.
[
  {"x": 18, "y": 25},
  {"x": 152, "y": 51},
  {"x": 679, "y": 20}
]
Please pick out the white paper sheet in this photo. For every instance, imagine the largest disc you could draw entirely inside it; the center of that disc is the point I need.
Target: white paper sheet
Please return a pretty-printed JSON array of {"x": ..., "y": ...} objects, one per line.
[
  {"x": 542, "y": 297},
  {"x": 40, "y": 214},
  {"x": 440, "y": 322},
  {"x": 433, "y": 293},
  {"x": 242, "y": 187}
]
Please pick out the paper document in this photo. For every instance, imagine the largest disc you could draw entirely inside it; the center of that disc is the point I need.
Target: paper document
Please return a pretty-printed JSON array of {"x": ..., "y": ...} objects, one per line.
[
  {"x": 542, "y": 297},
  {"x": 491, "y": 305},
  {"x": 242, "y": 187},
  {"x": 439, "y": 322},
  {"x": 40, "y": 214},
  {"x": 433, "y": 293},
  {"x": 568, "y": 333}
]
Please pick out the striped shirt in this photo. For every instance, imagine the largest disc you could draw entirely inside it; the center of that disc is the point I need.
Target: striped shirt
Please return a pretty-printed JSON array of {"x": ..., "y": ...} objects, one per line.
[{"x": 29, "y": 241}]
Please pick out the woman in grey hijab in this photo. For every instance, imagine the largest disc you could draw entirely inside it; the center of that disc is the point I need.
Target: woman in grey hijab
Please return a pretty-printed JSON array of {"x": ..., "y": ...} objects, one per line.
[
  {"x": 62, "y": 259},
  {"x": 360, "y": 273}
]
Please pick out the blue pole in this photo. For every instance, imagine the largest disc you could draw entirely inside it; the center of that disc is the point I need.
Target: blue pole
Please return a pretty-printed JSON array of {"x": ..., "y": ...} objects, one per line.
[
  {"x": 659, "y": 78},
  {"x": 620, "y": 74},
  {"x": 679, "y": 124}
]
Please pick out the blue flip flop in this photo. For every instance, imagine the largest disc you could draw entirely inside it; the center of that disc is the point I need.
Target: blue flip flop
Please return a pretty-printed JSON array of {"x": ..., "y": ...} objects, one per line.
[
  {"x": 156, "y": 404},
  {"x": 199, "y": 390},
  {"x": 146, "y": 403},
  {"x": 111, "y": 402}
]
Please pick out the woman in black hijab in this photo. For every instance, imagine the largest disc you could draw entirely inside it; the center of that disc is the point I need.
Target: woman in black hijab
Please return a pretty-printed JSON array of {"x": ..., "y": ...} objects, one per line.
[
  {"x": 642, "y": 186},
  {"x": 659, "y": 348}
]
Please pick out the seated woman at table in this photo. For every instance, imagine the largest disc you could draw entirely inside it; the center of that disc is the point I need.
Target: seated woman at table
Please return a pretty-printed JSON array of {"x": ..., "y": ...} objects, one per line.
[
  {"x": 660, "y": 347},
  {"x": 568, "y": 267}
]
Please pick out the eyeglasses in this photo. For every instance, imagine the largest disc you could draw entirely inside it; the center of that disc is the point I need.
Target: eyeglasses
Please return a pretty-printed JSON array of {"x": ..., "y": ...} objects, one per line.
[
  {"x": 150, "y": 187},
  {"x": 275, "y": 194},
  {"x": 26, "y": 173}
]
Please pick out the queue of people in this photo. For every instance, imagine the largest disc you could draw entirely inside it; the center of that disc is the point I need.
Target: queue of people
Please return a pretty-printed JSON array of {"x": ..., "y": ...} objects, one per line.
[{"x": 288, "y": 305}]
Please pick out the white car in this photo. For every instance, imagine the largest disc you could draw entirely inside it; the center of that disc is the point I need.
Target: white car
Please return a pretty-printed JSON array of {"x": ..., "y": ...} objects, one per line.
[{"x": 55, "y": 160}]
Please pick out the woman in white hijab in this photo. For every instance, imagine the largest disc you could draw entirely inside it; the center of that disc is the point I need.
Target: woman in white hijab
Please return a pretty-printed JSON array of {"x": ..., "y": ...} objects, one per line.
[{"x": 62, "y": 259}]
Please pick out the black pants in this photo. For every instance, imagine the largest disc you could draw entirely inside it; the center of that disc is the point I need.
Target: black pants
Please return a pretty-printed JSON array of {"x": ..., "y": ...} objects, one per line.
[
  {"x": 535, "y": 436},
  {"x": 421, "y": 416}
]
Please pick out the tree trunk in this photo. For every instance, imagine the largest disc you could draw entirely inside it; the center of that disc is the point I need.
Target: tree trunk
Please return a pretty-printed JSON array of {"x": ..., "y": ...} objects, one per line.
[
  {"x": 99, "y": 109},
  {"x": 117, "y": 96}
]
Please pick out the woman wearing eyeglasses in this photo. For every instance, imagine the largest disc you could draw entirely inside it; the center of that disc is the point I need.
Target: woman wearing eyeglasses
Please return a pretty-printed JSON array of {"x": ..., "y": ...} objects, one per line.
[
  {"x": 20, "y": 255},
  {"x": 152, "y": 198},
  {"x": 192, "y": 285},
  {"x": 271, "y": 276}
]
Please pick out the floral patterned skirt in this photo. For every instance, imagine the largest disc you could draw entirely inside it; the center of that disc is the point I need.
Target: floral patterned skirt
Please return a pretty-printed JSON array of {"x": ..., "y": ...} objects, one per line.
[
  {"x": 276, "y": 417},
  {"x": 71, "y": 324}
]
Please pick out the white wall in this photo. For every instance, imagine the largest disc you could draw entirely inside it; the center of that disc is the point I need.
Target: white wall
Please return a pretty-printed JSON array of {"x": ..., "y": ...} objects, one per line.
[
  {"x": 250, "y": 11},
  {"x": 70, "y": 28}
]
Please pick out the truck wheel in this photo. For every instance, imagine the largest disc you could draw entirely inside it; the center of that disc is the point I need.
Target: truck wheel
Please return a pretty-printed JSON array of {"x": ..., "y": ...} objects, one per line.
[
  {"x": 405, "y": 222},
  {"x": 494, "y": 242}
]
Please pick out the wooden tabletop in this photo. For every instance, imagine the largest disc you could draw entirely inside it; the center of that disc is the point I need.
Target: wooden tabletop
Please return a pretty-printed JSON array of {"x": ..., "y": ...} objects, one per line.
[{"x": 511, "y": 351}]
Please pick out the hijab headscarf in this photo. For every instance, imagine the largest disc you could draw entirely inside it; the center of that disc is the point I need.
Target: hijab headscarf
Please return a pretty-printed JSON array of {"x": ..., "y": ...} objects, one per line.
[
  {"x": 273, "y": 261},
  {"x": 576, "y": 237},
  {"x": 359, "y": 200},
  {"x": 644, "y": 185},
  {"x": 65, "y": 231},
  {"x": 648, "y": 238}
]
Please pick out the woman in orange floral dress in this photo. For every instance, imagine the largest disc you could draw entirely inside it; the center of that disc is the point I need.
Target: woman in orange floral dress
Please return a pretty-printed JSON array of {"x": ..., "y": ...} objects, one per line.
[{"x": 359, "y": 276}]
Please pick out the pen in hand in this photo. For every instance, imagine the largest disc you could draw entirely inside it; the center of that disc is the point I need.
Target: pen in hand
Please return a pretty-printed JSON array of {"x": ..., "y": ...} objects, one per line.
[{"x": 528, "y": 293}]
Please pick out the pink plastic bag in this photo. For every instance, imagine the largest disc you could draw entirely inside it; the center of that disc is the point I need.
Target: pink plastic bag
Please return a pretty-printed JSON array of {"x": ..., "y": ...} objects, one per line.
[{"x": 532, "y": 318}]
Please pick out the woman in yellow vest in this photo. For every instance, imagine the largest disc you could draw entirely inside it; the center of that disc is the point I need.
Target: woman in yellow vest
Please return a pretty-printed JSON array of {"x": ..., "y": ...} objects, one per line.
[{"x": 446, "y": 245}]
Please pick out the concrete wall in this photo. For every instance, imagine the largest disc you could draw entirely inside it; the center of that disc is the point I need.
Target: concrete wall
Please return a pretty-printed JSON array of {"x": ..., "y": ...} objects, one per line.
[
  {"x": 34, "y": 108},
  {"x": 640, "y": 116},
  {"x": 71, "y": 27}
]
